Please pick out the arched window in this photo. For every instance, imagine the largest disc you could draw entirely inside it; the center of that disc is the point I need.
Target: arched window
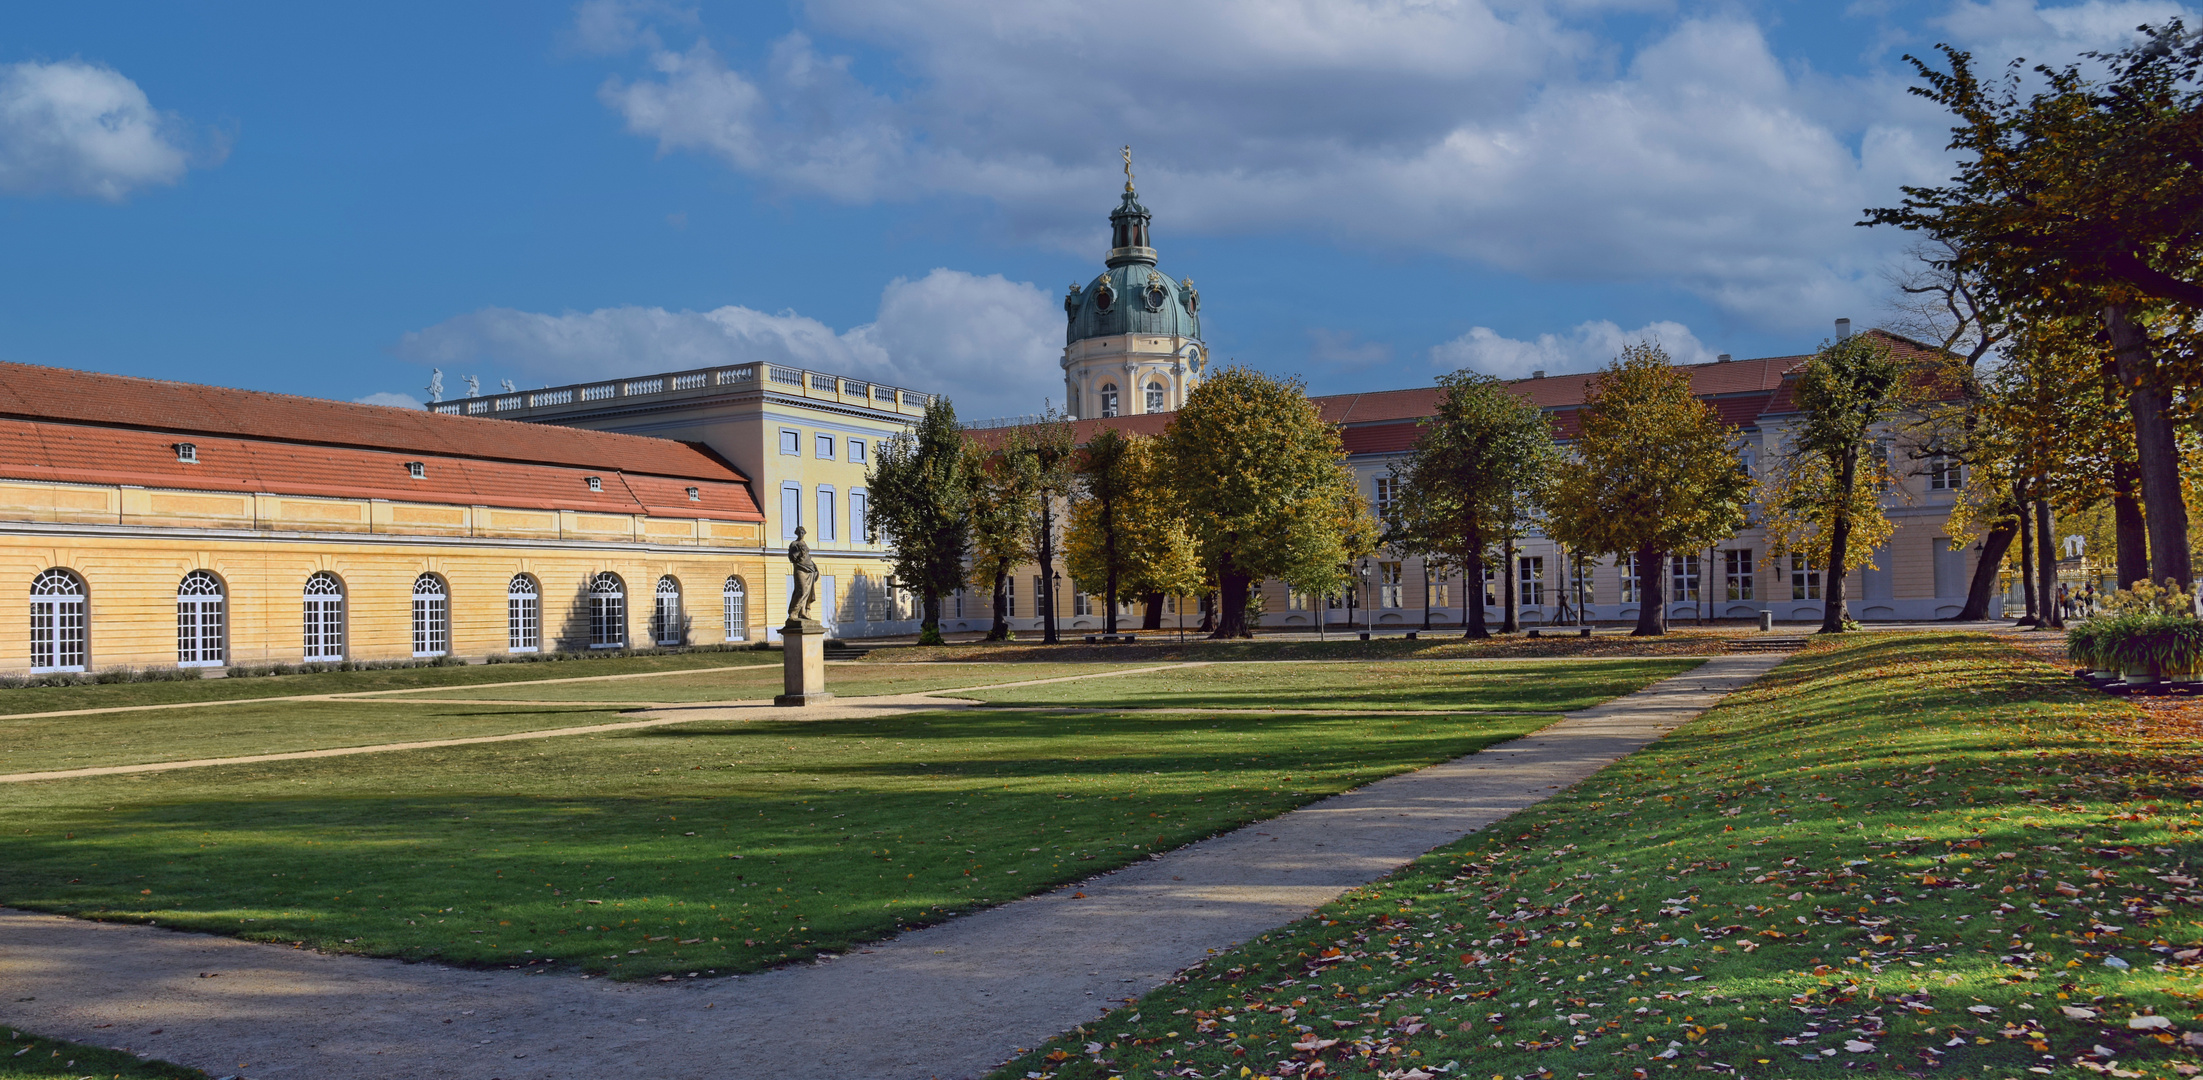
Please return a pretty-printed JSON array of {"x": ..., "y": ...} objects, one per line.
[
  {"x": 667, "y": 625},
  {"x": 1109, "y": 399},
  {"x": 735, "y": 597},
  {"x": 607, "y": 612},
  {"x": 200, "y": 620},
  {"x": 57, "y": 621},
  {"x": 324, "y": 617},
  {"x": 523, "y": 615},
  {"x": 431, "y": 616},
  {"x": 1155, "y": 397}
]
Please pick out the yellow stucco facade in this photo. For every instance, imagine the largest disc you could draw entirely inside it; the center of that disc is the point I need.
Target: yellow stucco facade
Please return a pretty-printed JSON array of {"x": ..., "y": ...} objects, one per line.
[{"x": 131, "y": 547}]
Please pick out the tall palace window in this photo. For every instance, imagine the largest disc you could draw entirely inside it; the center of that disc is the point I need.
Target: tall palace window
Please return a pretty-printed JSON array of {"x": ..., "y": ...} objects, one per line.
[
  {"x": 607, "y": 611},
  {"x": 735, "y": 598},
  {"x": 431, "y": 616},
  {"x": 57, "y": 622},
  {"x": 666, "y": 623},
  {"x": 201, "y": 618},
  {"x": 1155, "y": 397},
  {"x": 1109, "y": 399},
  {"x": 523, "y": 615},
  {"x": 324, "y": 617}
]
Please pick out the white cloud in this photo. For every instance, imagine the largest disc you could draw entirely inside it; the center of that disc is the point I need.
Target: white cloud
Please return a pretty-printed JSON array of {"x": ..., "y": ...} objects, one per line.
[
  {"x": 395, "y": 401},
  {"x": 989, "y": 343},
  {"x": 75, "y": 128},
  {"x": 1588, "y": 347}
]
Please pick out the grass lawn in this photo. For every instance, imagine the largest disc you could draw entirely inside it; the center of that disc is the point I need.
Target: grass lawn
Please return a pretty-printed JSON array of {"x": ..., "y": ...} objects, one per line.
[
  {"x": 1557, "y": 686},
  {"x": 123, "y": 695},
  {"x": 719, "y": 846},
  {"x": 27, "y": 1057},
  {"x": 41, "y": 744},
  {"x": 1920, "y": 854},
  {"x": 847, "y": 680},
  {"x": 1684, "y": 640}
]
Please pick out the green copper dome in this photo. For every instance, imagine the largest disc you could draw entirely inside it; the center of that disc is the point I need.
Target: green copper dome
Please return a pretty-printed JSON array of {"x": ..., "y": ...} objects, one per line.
[{"x": 1132, "y": 296}]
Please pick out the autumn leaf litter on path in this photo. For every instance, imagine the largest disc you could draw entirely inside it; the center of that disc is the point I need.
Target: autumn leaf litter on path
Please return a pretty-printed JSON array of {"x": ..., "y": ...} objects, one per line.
[{"x": 1920, "y": 855}]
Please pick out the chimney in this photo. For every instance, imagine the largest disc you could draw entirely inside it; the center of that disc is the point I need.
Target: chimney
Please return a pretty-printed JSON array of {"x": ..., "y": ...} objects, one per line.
[
  {"x": 1538, "y": 374},
  {"x": 1722, "y": 359},
  {"x": 1843, "y": 329}
]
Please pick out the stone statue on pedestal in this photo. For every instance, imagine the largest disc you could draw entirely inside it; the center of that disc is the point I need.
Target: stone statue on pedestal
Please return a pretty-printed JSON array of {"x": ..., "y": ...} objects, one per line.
[
  {"x": 802, "y": 639},
  {"x": 805, "y": 593}
]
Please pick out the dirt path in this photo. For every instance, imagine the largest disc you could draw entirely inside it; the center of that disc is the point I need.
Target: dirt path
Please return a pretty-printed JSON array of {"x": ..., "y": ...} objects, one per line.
[{"x": 949, "y": 1001}]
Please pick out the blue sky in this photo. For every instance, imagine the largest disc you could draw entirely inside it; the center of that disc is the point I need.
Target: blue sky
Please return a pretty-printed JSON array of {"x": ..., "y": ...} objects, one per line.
[{"x": 330, "y": 202}]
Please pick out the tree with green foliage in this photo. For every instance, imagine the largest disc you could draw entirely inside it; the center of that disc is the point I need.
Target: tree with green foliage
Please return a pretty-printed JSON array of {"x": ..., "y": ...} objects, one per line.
[
  {"x": 2081, "y": 199},
  {"x": 1822, "y": 496},
  {"x": 1262, "y": 485},
  {"x": 1125, "y": 538},
  {"x": 1050, "y": 467},
  {"x": 1483, "y": 457},
  {"x": 999, "y": 516},
  {"x": 919, "y": 491},
  {"x": 1653, "y": 470}
]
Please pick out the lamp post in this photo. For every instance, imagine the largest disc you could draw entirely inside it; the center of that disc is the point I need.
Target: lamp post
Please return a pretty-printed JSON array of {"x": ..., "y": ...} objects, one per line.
[{"x": 1048, "y": 627}]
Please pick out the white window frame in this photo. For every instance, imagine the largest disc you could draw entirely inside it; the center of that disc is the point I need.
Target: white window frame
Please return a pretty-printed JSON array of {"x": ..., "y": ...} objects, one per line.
[
  {"x": 791, "y": 509},
  {"x": 1805, "y": 579},
  {"x": 1530, "y": 580},
  {"x": 860, "y": 517},
  {"x": 822, "y": 446},
  {"x": 856, "y": 452},
  {"x": 828, "y": 519},
  {"x": 431, "y": 616},
  {"x": 1390, "y": 593},
  {"x": 60, "y": 626},
  {"x": 1108, "y": 394},
  {"x": 1738, "y": 572},
  {"x": 523, "y": 614},
  {"x": 667, "y": 626},
  {"x": 791, "y": 442},
  {"x": 323, "y": 599},
  {"x": 1157, "y": 397},
  {"x": 607, "y": 611},
  {"x": 202, "y": 620},
  {"x": 1685, "y": 579},
  {"x": 734, "y": 603}
]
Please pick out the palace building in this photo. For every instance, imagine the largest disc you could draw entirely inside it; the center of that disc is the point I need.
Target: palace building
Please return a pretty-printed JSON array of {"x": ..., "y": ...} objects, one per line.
[{"x": 152, "y": 523}]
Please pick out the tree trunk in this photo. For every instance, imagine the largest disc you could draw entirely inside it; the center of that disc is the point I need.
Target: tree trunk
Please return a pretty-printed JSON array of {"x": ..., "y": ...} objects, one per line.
[
  {"x": 2046, "y": 555},
  {"x": 930, "y": 624},
  {"x": 1510, "y": 599},
  {"x": 1000, "y": 631},
  {"x": 1047, "y": 571},
  {"x": 1109, "y": 556},
  {"x": 1993, "y": 546},
  {"x": 1839, "y": 547},
  {"x": 2157, "y": 453},
  {"x": 1652, "y": 611},
  {"x": 1152, "y": 619},
  {"x": 1208, "y": 612},
  {"x": 2026, "y": 563},
  {"x": 2128, "y": 528},
  {"x": 1472, "y": 589},
  {"x": 1233, "y": 624}
]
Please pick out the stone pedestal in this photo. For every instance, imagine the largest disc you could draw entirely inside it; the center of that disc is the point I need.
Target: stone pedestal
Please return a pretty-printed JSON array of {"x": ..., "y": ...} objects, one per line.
[{"x": 803, "y": 664}]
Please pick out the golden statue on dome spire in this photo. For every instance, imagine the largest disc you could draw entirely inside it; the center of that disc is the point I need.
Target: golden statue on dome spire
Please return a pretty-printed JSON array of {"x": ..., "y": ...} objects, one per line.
[{"x": 1128, "y": 168}]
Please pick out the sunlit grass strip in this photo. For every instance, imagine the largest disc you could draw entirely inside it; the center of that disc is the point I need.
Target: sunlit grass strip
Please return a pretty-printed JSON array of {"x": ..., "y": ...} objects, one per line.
[
  {"x": 716, "y": 846},
  {"x": 1922, "y": 855}
]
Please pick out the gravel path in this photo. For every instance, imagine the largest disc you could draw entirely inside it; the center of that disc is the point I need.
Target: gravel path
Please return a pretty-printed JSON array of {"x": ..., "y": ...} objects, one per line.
[{"x": 948, "y": 1001}]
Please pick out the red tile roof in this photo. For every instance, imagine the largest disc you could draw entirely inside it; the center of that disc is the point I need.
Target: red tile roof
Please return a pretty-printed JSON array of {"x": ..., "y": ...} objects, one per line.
[
  {"x": 107, "y": 429},
  {"x": 85, "y": 397},
  {"x": 1385, "y": 421}
]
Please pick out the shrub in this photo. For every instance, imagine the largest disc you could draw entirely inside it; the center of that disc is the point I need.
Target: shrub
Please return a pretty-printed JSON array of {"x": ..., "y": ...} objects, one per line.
[{"x": 2146, "y": 628}]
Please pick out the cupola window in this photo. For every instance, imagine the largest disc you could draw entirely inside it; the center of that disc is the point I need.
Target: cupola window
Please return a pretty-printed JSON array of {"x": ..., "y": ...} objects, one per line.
[
  {"x": 1109, "y": 399},
  {"x": 1104, "y": 296},
  {"x": 1155, "y": 397}
]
